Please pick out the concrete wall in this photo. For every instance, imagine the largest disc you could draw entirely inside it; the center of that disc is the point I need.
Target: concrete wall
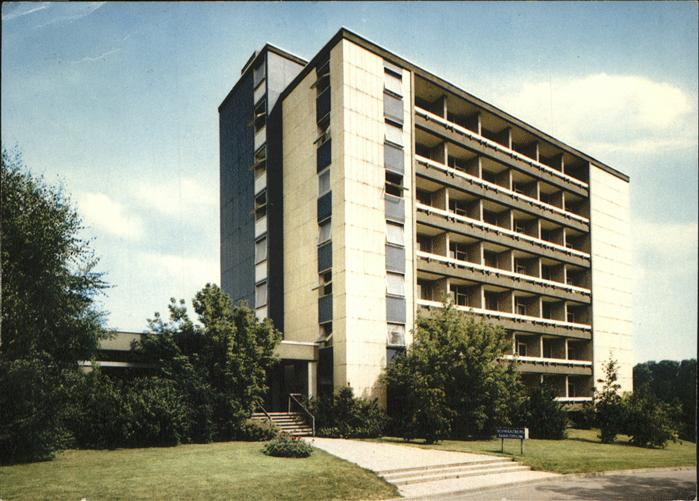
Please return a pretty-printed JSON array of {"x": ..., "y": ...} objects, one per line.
[
  {"x": 300, "y": 193},
  {"x": 611, "y": 274}
]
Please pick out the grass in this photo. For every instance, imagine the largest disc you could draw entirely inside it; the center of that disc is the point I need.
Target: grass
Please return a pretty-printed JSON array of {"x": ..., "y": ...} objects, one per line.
[
  {"x": 230, "y": 470},
  {"x": 581, "y": 452}
]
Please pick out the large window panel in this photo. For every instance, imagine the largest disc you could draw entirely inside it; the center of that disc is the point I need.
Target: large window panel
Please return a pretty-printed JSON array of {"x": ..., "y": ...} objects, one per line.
[
  {"x": 393, "y": 107},
  {"x": 394, "y": 134},
  {"x": 261, "y": 294},
  {"x": 323, "y": 182},
  {"x": 395, "y": 284},
  {"x": 395, "y": 234},
  {"x": 324, "y": 231},
  {"x": 260, "y": 250},
  {"x": 393, "y": 158},
  {"x": 395, "y": 335}
]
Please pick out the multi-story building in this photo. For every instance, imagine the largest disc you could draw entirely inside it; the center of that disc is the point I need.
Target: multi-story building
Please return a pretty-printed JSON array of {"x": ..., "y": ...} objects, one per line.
[{"x": 358, "y": 190}]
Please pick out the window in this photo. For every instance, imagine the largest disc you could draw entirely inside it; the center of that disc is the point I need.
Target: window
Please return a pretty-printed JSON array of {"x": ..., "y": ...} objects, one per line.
[
  {"x": 547, "y": 235},
  {"x": 393, "y": 108},
  {"x": 491, "y": 177},
  {"x": 520, "y": 267},
  {"x": 261, "y": 294},
  {"x": 519, "y": 188},
  {"x": 326, "y": 283},
  {"x": 260, "y": 250},
  {"x": 260, "y": 114},
  {"x": 423, "y": 197},
  {"x": 573, "y": 352},
  {"x": 424, "y": 289},
  {"x": 395, "y": 284},
  {"x": 520, "y": 226},
  {"x": 393, "y": 158},
  {"x": 459, "y": 207},
  {"x": 521, "y": 308},
  {"x": 394, "y": 134},
  {"x": 395, "y": 335},
  {"x": 547, "y": 272},
  {"x": 324, "y": 230},
  {"x": 547, "y": 310},
  {"x": 491, "y": 300},
  {"x": 323, "y": 182},
  {"x": 460, "y": 294},
  {"x": 395, "y": 234},
  {"x": 458, "y": 251},
  {"x": 424, "y": 243},
  {"x": 522, "y": 349},
  {"x": 570, "y": 317},
  {"x": 258, "y": 74},
  {"x": 393, "y": 84},
  {"x": 326, "y": 330},
  {"x": 260, "y": 205},
  {"x": 571, "y": 390},
  {"x": 548, "y": 349},
  {"x": 490, "y": 258},
  {"x": 490, "y": 217},
  {"x": 394, "y": 184}
]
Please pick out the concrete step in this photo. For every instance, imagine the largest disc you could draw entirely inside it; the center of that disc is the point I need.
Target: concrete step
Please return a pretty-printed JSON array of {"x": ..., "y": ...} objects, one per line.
[
  {"x": 454, "y": 474},
  {"x": 487, "y": 460},
  {"x": 448, "y": 468}
]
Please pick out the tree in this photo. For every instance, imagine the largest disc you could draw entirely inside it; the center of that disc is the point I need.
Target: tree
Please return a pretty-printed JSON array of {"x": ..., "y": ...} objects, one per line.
[
  {"x": 454, "y": 363},
  {"x": 609, "y": 409},
  {"x": 221, "y": 365},
  {"x": 673, "y": 383},
  {"x": 648, "y": 421},
  {"x": 49, "y": 318},
  {"x": 545, "y": 416}
]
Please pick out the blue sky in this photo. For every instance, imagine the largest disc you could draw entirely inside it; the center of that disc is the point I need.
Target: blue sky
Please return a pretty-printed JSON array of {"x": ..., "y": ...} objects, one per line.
[{"x": 119, "y": 102}]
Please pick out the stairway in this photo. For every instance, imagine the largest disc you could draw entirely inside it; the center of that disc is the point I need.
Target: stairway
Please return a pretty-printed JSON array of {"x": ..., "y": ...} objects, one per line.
[
  {"x": 432, "y": 473},
  {"x": 292, "y": 423}
]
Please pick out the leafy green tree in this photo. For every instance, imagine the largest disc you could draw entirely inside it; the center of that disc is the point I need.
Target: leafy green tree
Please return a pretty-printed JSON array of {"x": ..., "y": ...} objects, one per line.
[
  {"x": 220, "y": 364},
  {"x": 649, "y": 421},
  {"x": 545, "y": 416},
  {"x": 346, "y": 416},
  {"x": 454, "y": 363},
  {"x": 49, "y": 319},
  {"x": 674, "y": 383},
  {"x": 609, "y": 409}
]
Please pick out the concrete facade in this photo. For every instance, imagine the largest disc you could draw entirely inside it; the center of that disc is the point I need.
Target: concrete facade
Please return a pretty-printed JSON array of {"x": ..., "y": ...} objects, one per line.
[{"x": 389, "y": 190}]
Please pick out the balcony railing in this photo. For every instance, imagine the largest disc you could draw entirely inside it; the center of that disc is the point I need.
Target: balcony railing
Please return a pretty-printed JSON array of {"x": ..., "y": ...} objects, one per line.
[
  {"x": 499, "y": 189},
  {"x": 509, "y": 316},
  {"x": 544, "y": 360},
  {"x": 573, "y": 399},
  {"x": 477, "y": 137},
  {"x": 466, "y": 264},
  {"x": 504, "y": 231}
]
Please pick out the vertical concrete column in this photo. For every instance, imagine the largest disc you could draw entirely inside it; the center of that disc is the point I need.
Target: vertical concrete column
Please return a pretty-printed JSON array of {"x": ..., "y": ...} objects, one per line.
[
  {"x": 440, "y": 244},
  {"x": 312, "y": 379},
  {"x": 440, "y": 199},
  {"x": 473, "y": 167},
  {"x": 506, "y": 260},
  {"x": 473, "y": 122}
]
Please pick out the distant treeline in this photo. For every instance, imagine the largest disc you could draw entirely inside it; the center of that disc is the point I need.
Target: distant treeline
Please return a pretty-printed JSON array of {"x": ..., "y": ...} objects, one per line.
[{"x": 674, "y": 383}]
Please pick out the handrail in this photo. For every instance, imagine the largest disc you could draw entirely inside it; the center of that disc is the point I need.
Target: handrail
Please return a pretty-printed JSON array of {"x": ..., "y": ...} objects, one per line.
[
  {"x": 269, "y": 418},
  {"x": 292, "y": 396}
]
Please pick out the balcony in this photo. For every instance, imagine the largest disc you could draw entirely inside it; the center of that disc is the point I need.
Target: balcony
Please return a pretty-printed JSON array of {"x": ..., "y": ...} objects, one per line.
[
  {"x": 498, "y": 234},
  {"x": 504, "y": 278},
  {"x": 522, "y": 323},
  {"x": 542, "y": 365},
  {"x": 485, "y": 188},
  {"x": 505, "y": 153}
]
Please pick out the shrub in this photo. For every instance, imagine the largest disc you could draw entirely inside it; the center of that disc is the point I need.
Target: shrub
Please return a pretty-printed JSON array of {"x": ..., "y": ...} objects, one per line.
[
  {"x": 546, "y": 416},
  {"x": 288, "y": 447},
  {"x": 609, "y": 409},
  {"x": 584, "y": 418},
  {"x": 257, "y": 431},
  {"x": 344, "y": 416},
  {"x": 648, "y": 421},
  {"x": 158, "y": 412}
]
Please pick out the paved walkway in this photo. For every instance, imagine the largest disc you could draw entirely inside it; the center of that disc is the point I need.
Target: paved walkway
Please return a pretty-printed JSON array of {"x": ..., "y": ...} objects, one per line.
[
  {"x": 658, "y": 485},
  {"x": 384, "y": 458}
]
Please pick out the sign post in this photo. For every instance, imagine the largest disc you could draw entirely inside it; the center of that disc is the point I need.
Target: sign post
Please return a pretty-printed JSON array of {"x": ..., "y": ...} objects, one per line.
[{"x": 521, "y": 434}]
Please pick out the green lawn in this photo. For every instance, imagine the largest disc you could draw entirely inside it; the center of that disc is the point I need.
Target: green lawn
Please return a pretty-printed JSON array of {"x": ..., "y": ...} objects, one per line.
[
  {"x": 230, "y": 470},
  {"x": 581, "y": 452}
]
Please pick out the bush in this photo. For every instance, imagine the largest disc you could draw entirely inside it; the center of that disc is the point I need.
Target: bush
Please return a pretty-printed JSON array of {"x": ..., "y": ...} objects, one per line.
[
  {"x": 649, "y": 422},
  {"x": 287, "y": 447},
  {"x": 609, "y": 408},
  {"x": 546, "y": 416},
  {"x": 344, "y": 416},
  {"x": 584, "y": 418},
  {"x": 257, "y": 431},
  {"x": 158, "y": 413}
]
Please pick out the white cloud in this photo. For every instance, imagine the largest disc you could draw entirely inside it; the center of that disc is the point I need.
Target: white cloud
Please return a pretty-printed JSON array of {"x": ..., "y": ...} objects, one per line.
[
  {"x": 195, "y": 270},
  {"x": 604, "y": 113},
  {"x": 109, "y": 216},
  {"x": 13, "y": 10},
  {"x": 183, "y": 197},
  {"x": 102, "y": 56}
]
